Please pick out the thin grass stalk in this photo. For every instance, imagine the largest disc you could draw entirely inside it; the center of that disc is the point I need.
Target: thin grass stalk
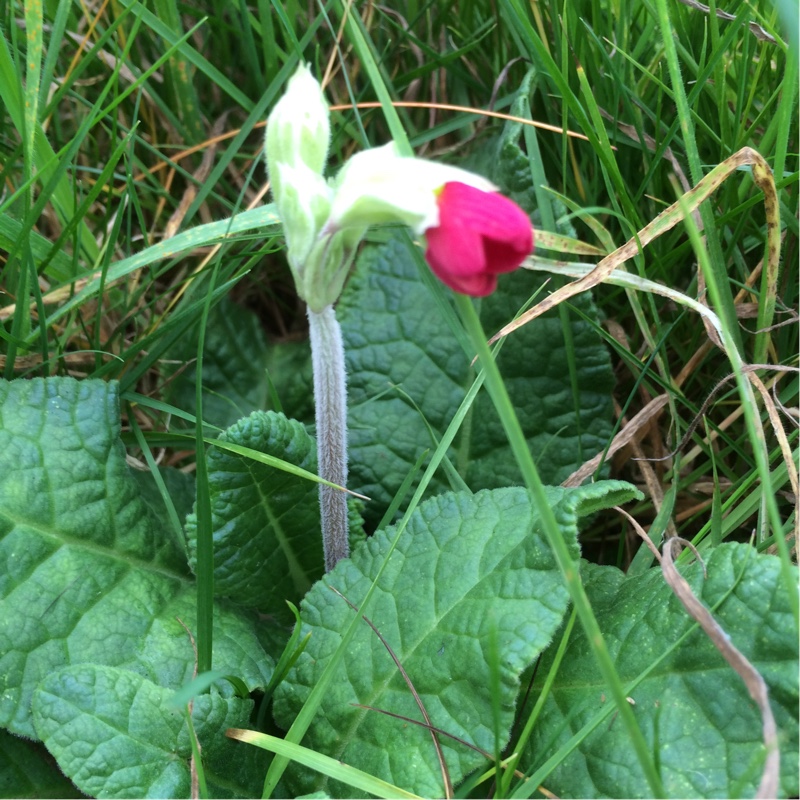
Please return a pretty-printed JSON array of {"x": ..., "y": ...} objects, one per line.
[
  {"x": 754, "y": 430},
  {"x": 725, "y": 307},
  {"x": 45, "y": 160},
  {"x": 507, "y": 776},
  {"x": 785, "y": 113},
  {"x": 530, "y": 474},
  {"x": 204, "y": 569},
  {"x": 545, "y": 206},
  {"x": 179, "y": 71},
  {"x": 21, "y": 324},
  {"x": 269, "y": 45},
  {"x": 366, "y": 55}
]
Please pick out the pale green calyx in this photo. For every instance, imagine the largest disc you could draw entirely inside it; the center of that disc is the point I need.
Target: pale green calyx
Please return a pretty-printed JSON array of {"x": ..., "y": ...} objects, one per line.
[
  {"x": 304, "y": 205},
  {"x": 380, "y": 185}
]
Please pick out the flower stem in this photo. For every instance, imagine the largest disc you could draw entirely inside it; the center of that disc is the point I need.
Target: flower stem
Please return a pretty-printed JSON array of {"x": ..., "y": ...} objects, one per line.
[{"x": 330, "y": 399}]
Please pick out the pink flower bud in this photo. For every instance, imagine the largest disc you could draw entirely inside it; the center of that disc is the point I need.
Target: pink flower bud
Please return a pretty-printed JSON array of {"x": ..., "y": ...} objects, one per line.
[{"x": 480, "y": 234}]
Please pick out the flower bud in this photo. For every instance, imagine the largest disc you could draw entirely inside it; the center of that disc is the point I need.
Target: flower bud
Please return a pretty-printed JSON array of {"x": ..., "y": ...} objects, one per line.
[
  {"x": 472, "y": 232},
  {"x": 298, "y": 134},
  {"x": 480, "y": 235},
  {"x": 298, "y": 129}
]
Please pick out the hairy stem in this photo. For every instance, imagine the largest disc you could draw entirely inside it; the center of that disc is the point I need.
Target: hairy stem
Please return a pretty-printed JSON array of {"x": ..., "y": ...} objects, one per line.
[{"x": 330, "y": 399}]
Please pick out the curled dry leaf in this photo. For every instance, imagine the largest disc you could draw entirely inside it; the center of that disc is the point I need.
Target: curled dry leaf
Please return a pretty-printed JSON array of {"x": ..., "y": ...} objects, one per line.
[{"x": 756, "y": 686}]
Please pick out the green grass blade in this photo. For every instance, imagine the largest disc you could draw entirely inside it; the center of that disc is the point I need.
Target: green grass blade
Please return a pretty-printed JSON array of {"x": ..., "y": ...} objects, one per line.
[
  {"x": 725, "y": 308},
  {"x": 357, "y": 35},
  {"x": 184, "y": 94},
  {"x": 43, "y": 158},
  {"x": 321, "y": 763},
  {"x": 190, "y": 54},
  {"x": 754, "y": 429},
  {"x": 263, "y": 217},
  {"x": 516, "y": 438}
]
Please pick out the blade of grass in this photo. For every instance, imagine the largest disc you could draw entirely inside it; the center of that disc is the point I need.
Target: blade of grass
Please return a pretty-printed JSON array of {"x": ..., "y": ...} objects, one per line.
[
  {"x": 43, "y": 158},
  {"x": 261, "y": 217},
  {"x": 507, "y": 776},
  {"x": 331, "y": 767},
  {"x": 716, "y": 262},
  {"x": 755, "y": 432},
  {"x": 172, "y": 514},
  {"x": 400, "y": 495},
  {"x": 364, "y": 51},
  {"x": 255, "y": 115},
  {"x": 530, "y": 473},
  {"x": 544, "y": 205},
  {"x": 191, "y": 55},
  {"x": 33, "y": 69},
  {"x": 269, "y": 46},
  {"x": 178, "y": 70},
  {"x": 21, "y": 324}
]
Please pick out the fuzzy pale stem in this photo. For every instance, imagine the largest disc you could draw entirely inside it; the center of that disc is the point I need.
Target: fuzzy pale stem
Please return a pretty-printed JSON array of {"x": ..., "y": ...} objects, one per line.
[{"x": 330, "y": 399}]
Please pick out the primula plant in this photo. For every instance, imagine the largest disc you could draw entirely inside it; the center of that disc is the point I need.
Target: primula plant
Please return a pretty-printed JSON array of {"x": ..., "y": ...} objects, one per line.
[
  {"x": 355, "y": 492},
  {"x": 473, "y": 234}
]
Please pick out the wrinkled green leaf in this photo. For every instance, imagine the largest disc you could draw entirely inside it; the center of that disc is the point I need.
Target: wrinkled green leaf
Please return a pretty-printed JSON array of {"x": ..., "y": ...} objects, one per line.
[
  {"x": 234, "y": 367},
  {"x": 289, "y": 369},
  {"x": 115, "y": 733},
  {"x": 180, "y": 487},
  {"x": 395, "y": 336},
  {"x": 468, "y": 571},
  {"x": 27, "y": 770},
  {"x": 557, "y": 370},
  {"x": 87, "y": 573},
  {"x": 694, "y": 709},
  {"x": 266, "y": 523}
]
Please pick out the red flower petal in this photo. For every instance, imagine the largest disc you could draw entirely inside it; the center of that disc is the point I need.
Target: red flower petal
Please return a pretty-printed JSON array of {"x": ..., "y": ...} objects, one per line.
[{"x": 480, "y": 234}]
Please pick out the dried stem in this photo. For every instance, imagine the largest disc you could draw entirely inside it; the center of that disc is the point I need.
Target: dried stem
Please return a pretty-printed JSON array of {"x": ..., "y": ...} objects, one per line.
[{"x": 755, "y": 683}]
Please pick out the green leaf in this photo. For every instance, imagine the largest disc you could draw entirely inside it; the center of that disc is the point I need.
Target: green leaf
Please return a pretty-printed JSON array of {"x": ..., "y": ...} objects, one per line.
[
  {"x": 465, "y": 565},
  {"x": 234, "y": 367},
  {"x": 27, "y": 770},
  {"x": 289, "y": 370},
  {"x": 87, "y": 573},
  {"x": 395, "y": 335},
  {"x": 267, "y": 545},
  {"x": 180, "y": 487},
  {"x": 556, "y": 369},
  {"x": 693, "y": 708},
  {"x": 266, "y": 522},
  {"x": 115, "y": 733}
]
